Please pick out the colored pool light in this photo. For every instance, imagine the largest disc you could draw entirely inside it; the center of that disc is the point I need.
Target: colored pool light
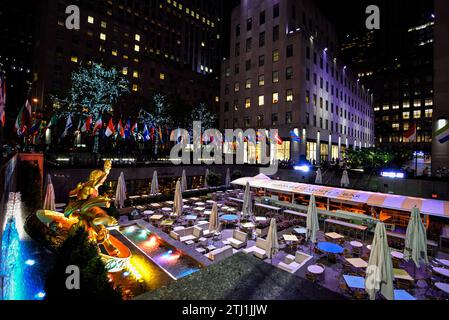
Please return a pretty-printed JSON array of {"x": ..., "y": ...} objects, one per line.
[
  {"x": 303, "y": 168},
  {"x": 40, "y": 295},
  {"x": 30, "y": 262},
  {"x": 151, "y": 243},
  {"x": 392, "y": 174}
]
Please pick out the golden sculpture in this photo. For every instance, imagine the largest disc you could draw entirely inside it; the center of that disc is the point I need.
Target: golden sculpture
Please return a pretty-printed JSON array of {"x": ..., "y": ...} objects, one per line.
[{"x": 86, "y": 209}]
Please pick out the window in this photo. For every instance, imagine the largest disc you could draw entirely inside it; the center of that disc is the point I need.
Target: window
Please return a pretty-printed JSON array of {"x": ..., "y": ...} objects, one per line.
[
  {"x": 248, "y": 64},
  {"x": 260, "y": 121},
  {"x": 247, "y": 103},
  {"x": 275, "y": 33},
  {"x": 405, "y": 115},
  {"x": 428, "y": 102},
  {"x": 311, "y": 151},
  {"x": 90, "y": 19},
  {"x": 247, "y": 122},
  {"x": 261, "y": 80},
  {"x": 275, "y": 76},
  {"x": 276, "y": 10},
  {"x": 417, "y": 103},
  {"x": 74, "y": 59},
  {"x": 103, "y": 24},
  {"x": 262, "y": 17},
  {"x": 395, "y": 126},
  {"x": 417, "y": 114},
  {"x": 289, "y": 73},
  {"x": 308, "y": 118},
  {"x": 289, "y": 95},
  {"x": 275, "y": 98},
  {"x": 237, "y": 30},
  {"x": 429, "y": 113},
  {"x": 261, "y": 101},
  {"x": 307, "y": 96},
  {"x": 288, "y": 117},
  {"x": 289, "y": 51},
  {"x": 237, "y": 68},
  {"x": 137, "y": 48},
  {"x": 274, "y": 119},
  {"x": 308, "y": 53},
  {"x": 236, "y": 105},
  {"x": 226, "y": 107},
  {"x": 314, "y": 99},
  {"x": 248, "y": 84},
  {"x": 249, "y": 24},
  {"x": 237, "y": 49},
  {"x": 136, "y": 74},
  {"x": 236, "y": 87},
  {"x": 275, "y": 55},
  {"x": 406, "y": 104},
  {"x": 395, "y": 106},
  {"x": 261, "y": 60},
  {"x": 308, "y": 74},
  {"x": 406, "y": 126},
  {"x": 261, "y": 39},
  {"x": 162, "y": 76},
  {"x": 102, "y": 36},
  {"x": 125, "y": 71},
  {"x": 227, "y": 72},
  {"x": 248, "y": 44},
  {"x": 386, "y": 107}
]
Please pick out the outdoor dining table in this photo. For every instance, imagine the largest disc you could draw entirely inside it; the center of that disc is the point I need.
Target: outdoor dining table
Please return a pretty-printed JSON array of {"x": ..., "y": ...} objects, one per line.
[
  {"x": 200, "y": 204},
  {"x": 232, "y": 210},
  {"x": 210, "y": 201},
  {"x": 266, "y": 206},
  {"x": 186, "y": 207},
  {"x": 199, "y": 209},
  {"x": 357, "y": 263},
  {"x": 194, "y": 199},
  {"x": 229, "y": 217},
  {"x": 443, "y": 262},
  {"x": 369, "y": 247},
  {"x": 190, "y": 217},
  {"x": 156, "y": 217},
  {"x": 356, "y": 244},
  {"x": 225, "y": 208},
  {"x": 441, "y": 271},
  {"x": 248, "y": 225},
  {"x": 207, "y": 212},
  {"x": 167, "y": 223},
  {"x": 155, "y": 205},
  {"x": 60, "y": 205},
  {"x": 330, "y": 247},
  {"x": 397, "y": 255},
  {"x": 169, "y": 202},
  {"x": 290, "y": 238},
  {"x": 334, "y": 235},
  {"x": 300, "y": 230},
  {"x": 167, "y": 209},
  {"x": 443, "y": 286},
  {"x": 261, "y": 219},
  {"x": 403, "y": 295},
  {"x": 148, "y": 212},
  {"x": 314, "y": 269},
  {"x": 354, "y": 282},
  {"x": 402, "y": 275}
]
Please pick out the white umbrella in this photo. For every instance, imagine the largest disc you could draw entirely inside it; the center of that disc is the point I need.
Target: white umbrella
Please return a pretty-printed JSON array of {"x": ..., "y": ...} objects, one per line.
[
  {"x": 228, "y": 178},
  {"x": 154, "y": 184},
  {"x": 247, "y": 208},
  {"x": 416, "y": 239},
  {"x": 183, "y": 181},
  {"x": 205, "y": 179},
  {"x": 312, "y": 225},
  {"x": 344, "y": 179},
  {"x": 177, "y": 201},
  {"x": 214, "y": 224},
  {"x": 379, "y": 273},
  {"x": 272, "y": 240},
  {"x": 49, "y": 200},
  {"x": 319, "y": 177},
  {"x": 120, "y": 192}
]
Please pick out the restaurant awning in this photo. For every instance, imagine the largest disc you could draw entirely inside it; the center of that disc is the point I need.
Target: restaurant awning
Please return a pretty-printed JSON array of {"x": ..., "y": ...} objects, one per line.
[{"x": 389, "y": 201}]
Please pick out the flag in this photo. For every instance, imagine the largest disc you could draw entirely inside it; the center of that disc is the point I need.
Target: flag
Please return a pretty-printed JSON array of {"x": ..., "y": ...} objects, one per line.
[
  {"x": 120, "y": 129},
  {"x": 260, "y": 136},
  {"x": 2, "y": 101},
  {"x": 410, "y": 134},
  {"x": 23, "y": 119},
  {"x": 277, "y": 138},
  {"x": 53, "y": 121},
  {"x": 146, "y": 134},
  {"x": 87, "y": 124},
  {"x": 68, "y": 126},
  {"x": 295, "y": 137},
  {"x": 161, "y": 138},
  {"x": 34, "y": 130},
  {"x": 110, "y": 130},
  {"x": 135, "y": 130},
  {"x": 128, "y": 129},
  {"x": 98, "y": 125},
  {"x": 152, "y": 132},
  {"x": 442, "y": 135}
]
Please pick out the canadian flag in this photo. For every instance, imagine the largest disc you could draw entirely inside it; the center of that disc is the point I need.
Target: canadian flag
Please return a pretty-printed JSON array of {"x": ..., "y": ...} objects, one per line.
[
  {"x": 410, "y": 135},
  {"x": 87, "y": 125},
  {"x": 110, "y": 130}
]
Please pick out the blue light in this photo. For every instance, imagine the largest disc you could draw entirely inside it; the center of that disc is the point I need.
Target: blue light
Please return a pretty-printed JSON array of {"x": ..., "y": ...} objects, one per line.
[
  {"x": 303, "y": 168},
  {"x": 126, "y": 274},
  {"x": 30, "y": 262},
  {"x": 392, "y": 174},
  {"x": 40, "y": 295}
]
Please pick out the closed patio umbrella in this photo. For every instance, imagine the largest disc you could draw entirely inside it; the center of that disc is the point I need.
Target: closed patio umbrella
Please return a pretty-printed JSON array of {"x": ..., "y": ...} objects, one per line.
[
  {"x": 228, "y": 178},
  {"x": 183, "y": 181},
  {"x": 49, "y": 200},
  {"x": 272, "y": 240},
  {"x": 154, "y": 184},
  {"x": 416, "y": 239},
  {"x": 214, "y": 224},
  {"x": 379, "y": 273},
  {"x": 120, "y": 192},
  {"x": 312, "y": 224},
  {"x": 205, "y": 179},
  {"x": 319, "y": 177},
  {"x": 344, "y": 179},
  {"x": 247, "y": 207},
  {"x": 177, "y": 201}
]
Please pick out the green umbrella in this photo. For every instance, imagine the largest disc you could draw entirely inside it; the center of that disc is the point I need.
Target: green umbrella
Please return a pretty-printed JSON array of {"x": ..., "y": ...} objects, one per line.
[
  {"x": 312, "y": 225},
  {"x": 416, "y": 239},
  {"x": 379, "y": 273}
]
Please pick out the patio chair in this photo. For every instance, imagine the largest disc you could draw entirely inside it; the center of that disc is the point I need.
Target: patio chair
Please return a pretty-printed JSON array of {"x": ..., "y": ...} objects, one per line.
[
  {"x": 292, "y": 264},
  {"x": 238, "y": 240}
]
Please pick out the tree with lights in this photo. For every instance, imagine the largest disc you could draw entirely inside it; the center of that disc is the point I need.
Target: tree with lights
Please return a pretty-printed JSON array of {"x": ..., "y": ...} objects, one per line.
[
  {"x": 203, "y": 114},
  {"x": 94, "y": 91}
]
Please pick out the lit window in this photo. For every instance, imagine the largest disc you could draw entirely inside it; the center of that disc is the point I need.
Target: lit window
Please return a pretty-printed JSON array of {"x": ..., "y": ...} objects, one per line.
[
  {"x": 102, "y": 36},
  {"x": 217, "y": 99},
  {"x": 114, "y": 52},
  {"x": 261, "y": 101},
  {"x": 261, "y": 80},
  {"x": 104, "y": 24},
  {"x": 417, "y": 114},
  {"x": 429, "y": 113},
  {"x": 395, "y": 126},
  {"x": 386, "y": 107},
  {"x": 137, "y": 37},
  {"x": 90, "y": 19},
  {"x": 405, "y": 115},
  {"x": 162, "y": 76},
  {"x": 417, "y": 103},
  {"x": 248, "y": 84},
  {"x": 135, "y": 87},
  {"x": 236, "y": 87},
  {"x": 289, "y": 95},
  {"x": 406, "y": 104},
  {"x": 125, "y": 71},
  {"x": 203, "y": 44},
  {"x": 406, "y": 126},
  {"x": 395, "y": 106},
  {"x": 125, "y": 57},
  {"x": 136, "y": 74},
  {"x": 275, "y": 55},
  {"x": 376, "y": 109},
  {"x": 429, "y": 102},
  {"x": 248, "y": 103},
  {"x": 275, "y": 99},
  {"x": 275, "y": 76},
  {"x": 137, "y": 48},
  {"x": 74, "y": 59}
]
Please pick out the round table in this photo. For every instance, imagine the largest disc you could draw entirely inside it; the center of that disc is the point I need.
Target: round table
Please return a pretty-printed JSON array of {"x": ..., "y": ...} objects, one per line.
[
  {"x": 300, "y": 230},
  {"x": 443, "y": 286},
  {"x": 148, "y": 212},
  {"x": 167, "y": 209},
  {"x": 200, "y": 204},
  {"x": 314, "y": 269},
  {"x": 444, "y": 262},
  {"x": 330, "y": 247},
  {"x": 356, "y": 244},
  {"x": 229, "y": 217},
  {"x": 397, "y": 255},
  {"x": 60, "y": 205},
  {"x": 442, "y": 271}
]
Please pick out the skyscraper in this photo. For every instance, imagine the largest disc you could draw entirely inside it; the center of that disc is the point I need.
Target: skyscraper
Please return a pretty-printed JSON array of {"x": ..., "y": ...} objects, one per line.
[{"x": 283, "y": 72}]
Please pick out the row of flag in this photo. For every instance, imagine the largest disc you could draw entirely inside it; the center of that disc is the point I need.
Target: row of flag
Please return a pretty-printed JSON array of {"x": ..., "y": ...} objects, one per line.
[{"x": 2, "y": 100}]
